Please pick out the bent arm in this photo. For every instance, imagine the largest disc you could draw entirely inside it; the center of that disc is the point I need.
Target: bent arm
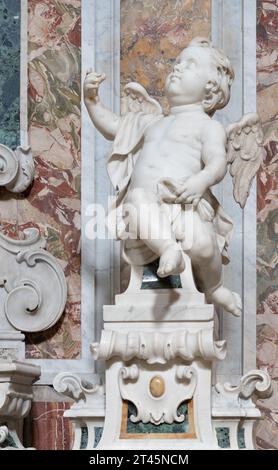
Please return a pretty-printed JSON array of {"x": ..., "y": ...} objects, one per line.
[
  {"x": 104, "y": 120},
  {"x": 214, "y": 153}
]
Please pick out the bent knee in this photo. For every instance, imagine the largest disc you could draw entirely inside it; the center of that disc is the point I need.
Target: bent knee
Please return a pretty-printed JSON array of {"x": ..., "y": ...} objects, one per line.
[{"x": 203, "y": 248}]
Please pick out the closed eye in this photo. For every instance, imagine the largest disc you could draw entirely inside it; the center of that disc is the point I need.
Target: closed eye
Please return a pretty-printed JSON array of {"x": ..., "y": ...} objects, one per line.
[{"x": 183, "y": 65}]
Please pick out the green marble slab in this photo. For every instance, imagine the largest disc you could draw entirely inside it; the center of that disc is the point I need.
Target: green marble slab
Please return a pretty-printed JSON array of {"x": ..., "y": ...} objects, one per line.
[
  {"x": 10, "y": 73},
  {"x": 149, "y": 428},
  {"x": 150, "y": 280}
]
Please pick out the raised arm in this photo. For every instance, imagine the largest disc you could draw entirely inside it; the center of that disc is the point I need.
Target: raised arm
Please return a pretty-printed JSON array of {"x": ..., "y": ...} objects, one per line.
[{"x": 104, "y": 120}]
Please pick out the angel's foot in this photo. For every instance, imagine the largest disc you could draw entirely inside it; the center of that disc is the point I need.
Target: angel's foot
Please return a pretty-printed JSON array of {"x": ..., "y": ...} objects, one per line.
[
  {"x": 227, "y": 299},
  {"x": 171, "y": 262}
]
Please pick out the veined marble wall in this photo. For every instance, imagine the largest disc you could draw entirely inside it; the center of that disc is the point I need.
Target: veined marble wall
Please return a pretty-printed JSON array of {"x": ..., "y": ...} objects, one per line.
[
  {"x": 54, "y": 69},
  {"x": 153, "y": 32},
  {"x": 267, "y": 216},
  {"x": 52, "y": 204}
]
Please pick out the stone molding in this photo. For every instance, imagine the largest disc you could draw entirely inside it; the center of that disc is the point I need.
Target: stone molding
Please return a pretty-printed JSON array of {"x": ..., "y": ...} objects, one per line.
[{"x": 155, "y": 347}]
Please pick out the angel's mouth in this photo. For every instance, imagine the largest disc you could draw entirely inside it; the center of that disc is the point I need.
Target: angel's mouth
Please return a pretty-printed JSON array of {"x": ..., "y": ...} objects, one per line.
[{"x": 173, "y": 77}]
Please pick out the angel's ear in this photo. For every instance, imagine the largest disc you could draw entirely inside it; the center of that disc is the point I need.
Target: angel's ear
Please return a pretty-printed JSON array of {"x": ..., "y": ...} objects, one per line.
[{"x": 211, "y": 97}]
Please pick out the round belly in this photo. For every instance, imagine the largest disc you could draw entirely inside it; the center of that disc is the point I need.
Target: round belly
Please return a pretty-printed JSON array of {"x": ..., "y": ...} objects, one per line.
[{"x": 153, "y": 166}]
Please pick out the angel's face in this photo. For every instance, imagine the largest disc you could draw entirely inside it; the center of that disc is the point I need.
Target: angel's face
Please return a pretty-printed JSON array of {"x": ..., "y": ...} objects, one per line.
[{"x": 189, "y": 77}]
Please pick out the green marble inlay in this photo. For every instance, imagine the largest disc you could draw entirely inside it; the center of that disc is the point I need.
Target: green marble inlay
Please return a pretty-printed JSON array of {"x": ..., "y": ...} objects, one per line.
[
  {"x": 141, "y": 428},
  {"x": 241, "y": 438},
  {"x": 223, "y": 437},
  {"x": 84, "y": 437},
  {"x": 10, "y": 72},
  {"x": 150, "y": 279},
  {"x": 98, "y": 434}
]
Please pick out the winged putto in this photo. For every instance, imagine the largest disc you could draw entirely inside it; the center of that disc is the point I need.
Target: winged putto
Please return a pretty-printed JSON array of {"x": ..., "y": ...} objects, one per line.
[{"x": 162, "y": 164}]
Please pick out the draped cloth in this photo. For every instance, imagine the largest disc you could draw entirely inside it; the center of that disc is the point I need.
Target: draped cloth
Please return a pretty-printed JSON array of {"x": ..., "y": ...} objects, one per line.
[{"x": 120, "y": 164}]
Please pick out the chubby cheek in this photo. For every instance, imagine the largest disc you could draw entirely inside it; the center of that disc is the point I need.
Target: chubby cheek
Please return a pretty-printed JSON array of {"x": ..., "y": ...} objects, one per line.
[
  {"x": 168, "y": 83},
  {"x": 170, "y": 87}
]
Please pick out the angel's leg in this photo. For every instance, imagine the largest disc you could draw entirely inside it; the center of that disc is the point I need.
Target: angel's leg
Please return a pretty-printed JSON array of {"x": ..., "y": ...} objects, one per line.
[
  {"x": 148, "y": 221},
  {"x": 207, "y": 267}
]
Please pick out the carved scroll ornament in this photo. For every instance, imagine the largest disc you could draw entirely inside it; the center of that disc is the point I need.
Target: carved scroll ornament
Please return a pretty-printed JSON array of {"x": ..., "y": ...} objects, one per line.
[
  {"x": 16, "y": 168},
  {"x": 33, "y": 281}
]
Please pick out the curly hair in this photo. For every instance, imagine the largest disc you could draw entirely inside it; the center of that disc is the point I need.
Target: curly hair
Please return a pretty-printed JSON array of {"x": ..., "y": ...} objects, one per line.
[{"x": 219, "y": 87}]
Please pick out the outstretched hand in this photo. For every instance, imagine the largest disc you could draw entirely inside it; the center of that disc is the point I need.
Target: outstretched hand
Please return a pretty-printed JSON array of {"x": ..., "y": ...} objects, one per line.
[{"x": 91, "y": 84}]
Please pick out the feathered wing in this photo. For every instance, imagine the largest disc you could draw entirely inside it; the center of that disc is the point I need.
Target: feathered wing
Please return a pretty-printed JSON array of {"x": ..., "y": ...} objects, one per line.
[
  {"x": 136, "y": 99},
  {"x": 245, "y": 153}
]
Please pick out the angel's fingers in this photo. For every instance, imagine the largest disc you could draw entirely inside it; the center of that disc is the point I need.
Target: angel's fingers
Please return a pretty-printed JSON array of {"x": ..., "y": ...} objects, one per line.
[
  {"x": 195, "y": 202},
  {"x": 102, "y": 77},
  {"x": 192, "y": 200},
  {"x": 181, "y": 198},
  {"x": 179, "y": 191},
  {"x": 91, "y": 86},
  {"x": 95, "y": 77}
]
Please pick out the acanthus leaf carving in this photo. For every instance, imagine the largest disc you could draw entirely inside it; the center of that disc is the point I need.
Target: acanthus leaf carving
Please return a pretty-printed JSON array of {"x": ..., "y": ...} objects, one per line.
[
  {"x": 239, "y": 396},
  {"x": 74, "y": 386},
  {"x": 88, "y": 397}
]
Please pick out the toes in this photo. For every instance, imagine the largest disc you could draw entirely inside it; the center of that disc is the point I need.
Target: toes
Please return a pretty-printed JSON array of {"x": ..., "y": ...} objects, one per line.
[
  {"x": 236, "y": 312},
  {"x": 238, "y": 300},
  {"x": 161, "y": 273},
  {"x": 165, "y": 270}
]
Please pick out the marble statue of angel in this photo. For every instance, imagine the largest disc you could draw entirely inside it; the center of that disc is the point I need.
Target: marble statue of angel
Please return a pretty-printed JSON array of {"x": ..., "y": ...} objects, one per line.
[{"x": 158, "y": 161}]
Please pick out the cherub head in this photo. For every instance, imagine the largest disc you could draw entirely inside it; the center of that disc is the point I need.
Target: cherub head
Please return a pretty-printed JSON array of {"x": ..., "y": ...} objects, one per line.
[{"x": 202, "y": 74}]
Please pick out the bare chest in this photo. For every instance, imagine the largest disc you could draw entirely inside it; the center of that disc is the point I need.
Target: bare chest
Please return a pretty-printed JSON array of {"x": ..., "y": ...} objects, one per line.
[{"x": 175, "y": 130}]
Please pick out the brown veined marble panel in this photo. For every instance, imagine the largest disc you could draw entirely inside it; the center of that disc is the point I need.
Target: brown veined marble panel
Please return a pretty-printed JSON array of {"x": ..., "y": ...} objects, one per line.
[
  {"x": 49, "y": 430},
  {"x": 153, "y": 33},
  {"x": 53, "y": 202},
  {"x": 267, "y": 216}
]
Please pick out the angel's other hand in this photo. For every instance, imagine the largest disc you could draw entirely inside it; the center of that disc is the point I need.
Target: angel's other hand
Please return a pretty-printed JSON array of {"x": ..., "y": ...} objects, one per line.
[
  {"x": 91, "y": 84},
  {"x": 193, "y": 189}
]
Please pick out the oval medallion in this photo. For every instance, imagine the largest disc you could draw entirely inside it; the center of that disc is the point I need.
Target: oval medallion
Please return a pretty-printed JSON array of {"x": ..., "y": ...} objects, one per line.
[{"x": 157, "y": 386}]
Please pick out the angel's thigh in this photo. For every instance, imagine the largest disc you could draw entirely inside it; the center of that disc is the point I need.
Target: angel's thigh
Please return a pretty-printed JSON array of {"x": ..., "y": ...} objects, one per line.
[
  {"x": 146, "y": 213},
  {"x": 204, "y": 245}
]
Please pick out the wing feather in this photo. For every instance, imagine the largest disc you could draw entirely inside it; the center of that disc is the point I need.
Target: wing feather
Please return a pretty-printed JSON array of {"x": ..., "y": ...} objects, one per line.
[
  {"x": 136, "y": 99},
  {"x": 245, "y": 153}
]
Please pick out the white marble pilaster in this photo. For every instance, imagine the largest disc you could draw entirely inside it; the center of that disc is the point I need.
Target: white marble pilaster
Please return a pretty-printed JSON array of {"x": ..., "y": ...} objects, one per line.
[
  {"x": 234, "y": 30},
  {"x": 250, "y": 211},
  {"x": 104, "y": 57}
]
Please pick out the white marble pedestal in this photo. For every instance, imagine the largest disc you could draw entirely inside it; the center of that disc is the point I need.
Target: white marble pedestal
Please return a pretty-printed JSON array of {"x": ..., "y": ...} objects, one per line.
[
  {"x": 159, "y": 346},
  {"x": 159, "y": 351}
]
